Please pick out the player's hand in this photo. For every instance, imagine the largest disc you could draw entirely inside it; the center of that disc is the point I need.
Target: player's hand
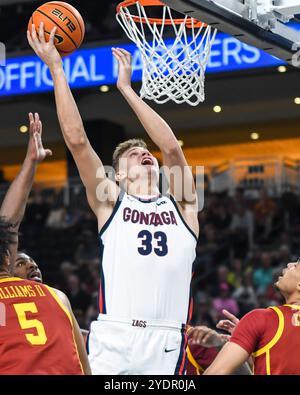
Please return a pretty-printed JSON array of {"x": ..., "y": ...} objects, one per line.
[
  {"x": 125, "y": 69},
  {"x": 36, "y": 151},
  {"x": 45, "y": 50},
  {"x": 204, "y": 336},
  {"x": 230, "y": 324}
]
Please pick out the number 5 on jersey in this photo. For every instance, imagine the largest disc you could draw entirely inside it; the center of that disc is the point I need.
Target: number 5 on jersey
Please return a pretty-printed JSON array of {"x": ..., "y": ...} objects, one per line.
[{"x": 21, "y": 309}]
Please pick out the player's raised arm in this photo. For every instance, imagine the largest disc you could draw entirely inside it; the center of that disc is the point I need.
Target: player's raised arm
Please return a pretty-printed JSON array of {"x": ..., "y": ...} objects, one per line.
[
  {"x": 14, "y": 203},
  {"x": 159, "y": 132},
  {"x": 89, "y": 165}
]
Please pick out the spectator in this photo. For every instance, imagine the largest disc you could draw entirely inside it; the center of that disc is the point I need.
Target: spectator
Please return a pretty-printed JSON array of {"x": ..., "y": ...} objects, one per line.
[
  {"x": 221, "y": 277},
  {"x": 263, "y": 276},
  {"x": 225, "y": 301},
  {"x": 282, "y": 257},
  {"x": 264, "y": 213},
  {"x": 245, "y": 294},
  {"x": 79, "y": 299},
  {"x": 220, "y": 218},
  {"x": 66, "y": 269},
  {"x": 93, "y": 311},
  {"x": 241, "y": 228},
  {"x": 204, "y": 313},
  {"x": 37, "y": 211},
  {"x": 235, "y": 275}
]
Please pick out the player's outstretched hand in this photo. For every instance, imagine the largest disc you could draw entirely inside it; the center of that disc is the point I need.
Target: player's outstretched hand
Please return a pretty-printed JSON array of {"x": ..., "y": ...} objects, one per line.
[
  {"x": 36, "y": 152},
  {"x": 46, "y": 50},
  {"x": 125, "y": 69},
  {"x": 204, "y": 336},
  {"x": 228, "y": 325}
]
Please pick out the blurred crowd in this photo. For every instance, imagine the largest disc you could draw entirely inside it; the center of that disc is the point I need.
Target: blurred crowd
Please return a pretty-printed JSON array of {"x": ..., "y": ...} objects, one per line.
[{"x": 244, "y": 244}]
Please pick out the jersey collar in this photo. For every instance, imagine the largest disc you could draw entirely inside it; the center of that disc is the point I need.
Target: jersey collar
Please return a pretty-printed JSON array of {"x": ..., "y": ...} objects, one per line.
[
  {"x": 8, "y": 279},
  {"x": 145, "y": 199},
  {"x": 293, "y": 305}
]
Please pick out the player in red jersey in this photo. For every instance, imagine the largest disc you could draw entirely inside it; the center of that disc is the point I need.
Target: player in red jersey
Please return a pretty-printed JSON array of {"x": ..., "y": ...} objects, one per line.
[
  {"x": 271, "y": 336},
  {"x": 39, "y": 324},
  {"x": 14, "y": 203},
  {"x": 200, "y": 357},
  {"x": 204, "y": 345},
  {"x": 37, "y": 321},
  {"x": 27, "y": 268}
]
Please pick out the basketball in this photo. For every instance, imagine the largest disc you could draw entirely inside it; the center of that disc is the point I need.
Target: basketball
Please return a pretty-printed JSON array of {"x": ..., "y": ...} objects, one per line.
[{"x": 70, "y": 25}]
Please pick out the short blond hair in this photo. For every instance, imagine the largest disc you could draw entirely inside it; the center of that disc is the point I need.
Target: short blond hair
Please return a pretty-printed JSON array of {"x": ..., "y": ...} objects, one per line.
[{"x": 123, "y": 147}]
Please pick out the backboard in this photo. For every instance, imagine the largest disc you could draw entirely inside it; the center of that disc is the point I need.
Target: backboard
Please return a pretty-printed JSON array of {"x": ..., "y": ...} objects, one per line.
[{"x": 271, "y": 25}]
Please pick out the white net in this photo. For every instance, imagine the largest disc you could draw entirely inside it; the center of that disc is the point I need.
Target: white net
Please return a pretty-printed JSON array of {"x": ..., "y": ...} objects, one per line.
[{"x": 174, "y": 54}]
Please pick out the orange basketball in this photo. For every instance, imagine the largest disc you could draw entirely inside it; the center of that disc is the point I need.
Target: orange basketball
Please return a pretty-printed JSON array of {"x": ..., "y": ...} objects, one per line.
[{"x": 69, "y": 23}]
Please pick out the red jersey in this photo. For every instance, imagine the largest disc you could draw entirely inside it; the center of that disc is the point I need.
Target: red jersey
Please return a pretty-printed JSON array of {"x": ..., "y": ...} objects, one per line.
[
  {"x": 199, "y": 359},
  {"x": 272, "y": 336},
  {"x": 37, "y": 337}
]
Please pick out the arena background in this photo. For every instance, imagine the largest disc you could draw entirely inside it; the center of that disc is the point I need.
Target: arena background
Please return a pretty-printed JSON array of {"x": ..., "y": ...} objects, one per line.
[{"x": 246, "y": 134}]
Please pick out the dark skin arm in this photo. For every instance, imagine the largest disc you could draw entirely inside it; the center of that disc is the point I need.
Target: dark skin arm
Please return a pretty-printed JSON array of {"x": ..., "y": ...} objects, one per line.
[
  {"x": 80, "y": 345},
  {"x": 77, "y": 334},
  {"x": 14, "y": 203}
]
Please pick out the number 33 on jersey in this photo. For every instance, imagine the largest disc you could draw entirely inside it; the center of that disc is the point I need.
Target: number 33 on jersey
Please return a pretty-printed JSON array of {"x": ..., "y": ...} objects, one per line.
[{"x": 147, "y": 253}]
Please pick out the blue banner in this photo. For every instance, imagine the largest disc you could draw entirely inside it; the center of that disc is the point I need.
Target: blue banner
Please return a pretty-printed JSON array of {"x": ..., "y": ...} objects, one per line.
[{"x": 96, "y": 66}]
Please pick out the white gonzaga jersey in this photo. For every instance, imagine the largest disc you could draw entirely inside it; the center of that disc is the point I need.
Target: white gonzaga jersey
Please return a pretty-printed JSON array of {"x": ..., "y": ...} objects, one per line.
[{"x": 147, "y": 254}]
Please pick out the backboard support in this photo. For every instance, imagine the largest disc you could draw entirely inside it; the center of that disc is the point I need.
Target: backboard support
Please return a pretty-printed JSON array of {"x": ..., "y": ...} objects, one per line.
[{"x": 260, "y": 23}]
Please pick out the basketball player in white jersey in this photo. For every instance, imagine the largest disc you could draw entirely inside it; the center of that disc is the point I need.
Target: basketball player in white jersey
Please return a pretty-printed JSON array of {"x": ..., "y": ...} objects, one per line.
[{"x": 147, "y": 240}]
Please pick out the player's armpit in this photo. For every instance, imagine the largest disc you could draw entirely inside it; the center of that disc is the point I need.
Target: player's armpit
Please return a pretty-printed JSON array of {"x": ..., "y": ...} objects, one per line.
[
  {"x": 244, "y": 370},
  {"x": 180, "y": 176},
  {"x": 77, "y": 334},
  {"x": 229, "y": 359},
  {"x": 182, "y": 185}
]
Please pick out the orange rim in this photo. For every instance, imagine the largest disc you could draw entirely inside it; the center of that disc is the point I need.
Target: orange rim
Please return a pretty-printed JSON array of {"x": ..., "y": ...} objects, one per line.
[{"x": 191, "y": 22}]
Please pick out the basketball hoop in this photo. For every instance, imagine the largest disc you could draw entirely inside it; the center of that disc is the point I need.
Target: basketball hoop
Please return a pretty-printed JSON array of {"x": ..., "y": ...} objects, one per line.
[{"x": 174, "y": 51}]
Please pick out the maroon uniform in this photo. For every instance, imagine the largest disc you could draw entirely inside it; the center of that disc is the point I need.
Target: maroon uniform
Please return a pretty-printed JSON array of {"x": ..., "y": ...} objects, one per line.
[
  {"x": 272, "y": 336},
  {"x": 199, "y": 359},
  {"x": 37, "y": 336}
]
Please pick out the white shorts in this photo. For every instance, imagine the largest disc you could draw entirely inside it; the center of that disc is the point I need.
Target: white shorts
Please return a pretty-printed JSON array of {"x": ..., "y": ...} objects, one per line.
[{"x": 137, "y": 347}]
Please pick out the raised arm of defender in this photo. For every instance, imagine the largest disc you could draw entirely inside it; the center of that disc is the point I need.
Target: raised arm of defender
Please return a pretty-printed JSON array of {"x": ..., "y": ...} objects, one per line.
[
  {"x": 14, "y": 203},
  {"x": 88, "y": 163},
  {"x": 162, "y": 135}
]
